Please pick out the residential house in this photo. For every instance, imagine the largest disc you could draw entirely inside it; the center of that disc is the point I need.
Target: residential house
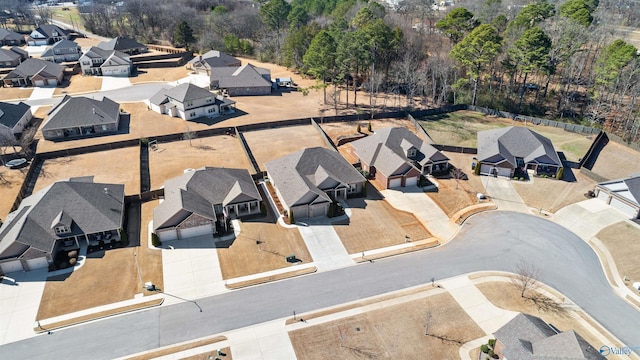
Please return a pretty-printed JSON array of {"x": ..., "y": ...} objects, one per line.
[
  {"x": 102, "y": 62},
  {"x": 513, "y": 150},
  {"x": 62, "y": 51},
  {"x": 309, "y": 180},
  {"x": 81, "y": 116},
  {"x": 397, "y": 157},
  {"x": 202, "y": 64},
  {"x": 13, "y": 119},
  {"x": 201, "y": 202},
  {"x": 527, "y": 337},
  {"x": 123, "y": 44},
  {"x": 245, "y": 80},
  {"x": 35, "y": 72},
  {"x": 61, "y": 217},
  {"x": 10, "y": 38},
  {"x": 188, "y": 101},
  {"x": 47, "y": 34},
  {"x": 621, "y": 194},
  {"x": 12, "y": 57}
]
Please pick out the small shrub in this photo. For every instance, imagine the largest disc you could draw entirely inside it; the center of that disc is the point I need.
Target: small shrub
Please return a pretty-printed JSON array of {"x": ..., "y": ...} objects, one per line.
[
  {"x": 359, "y": 129},
  {"x": 291, "y": 219},
  {"x": 369, "y": 126},
  {"x": 492, "y": 342},
  {"x": 263, "y": 209},
  {"x": 73, "y": 261},
  {"x": 72, "y": 254},
  {"x": 484, "y": 349},
  {"x": 155, "y": 240},
  {"x": 521, "y": 179},
  {"x": 515, "y": 178},
  {"x": 124, "y": 239}
]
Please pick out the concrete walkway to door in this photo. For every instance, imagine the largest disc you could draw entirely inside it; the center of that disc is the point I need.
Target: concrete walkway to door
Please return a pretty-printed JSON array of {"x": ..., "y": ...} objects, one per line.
[{"x": 503, "y": 194}]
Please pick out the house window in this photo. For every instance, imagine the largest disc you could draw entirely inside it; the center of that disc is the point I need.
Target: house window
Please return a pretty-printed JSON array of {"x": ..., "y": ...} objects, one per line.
[
  {"x": 192, "y": 114},
  {"x": 189, "y": 103},
  {"x": 208, "y": 100},
  {"x": 61, "y": 229},
  {"x": 411, "y": 153},
  {"x": 211, "y": 110},
  {"x": 352, "y": 188}
]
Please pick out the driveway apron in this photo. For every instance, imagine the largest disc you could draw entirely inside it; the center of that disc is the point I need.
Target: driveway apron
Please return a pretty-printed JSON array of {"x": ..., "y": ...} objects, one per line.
[
  {"x": 324, "y": 245},
  {"x": 504, "y": 195},
  {"x": 588, "y": 217}
]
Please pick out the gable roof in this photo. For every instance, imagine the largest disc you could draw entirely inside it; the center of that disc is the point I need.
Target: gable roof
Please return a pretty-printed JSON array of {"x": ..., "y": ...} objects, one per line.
[
  {"x": 10, "y": 114},
  {"x": 120, "y": 43},
  {"x": 110, "y": 57},
  {"x": 187, "y": 92},
  {"x": 213, "y": 59},
  {"x": 628, "y": 188},
  {"x": 47, "y": 30},
  {"x": 302, "y": 175},
  {"x": 82, "y": 111},
  {"x": 60, "y": 45},
  {"x": 199, "y": 190},
  {"x": 529, "y": 337},
  {"x": 244, "y": 76},
  {"x": 515, "y": 141},
  {"x": 91, "y": 207},
  {"x": 8, "y": 55},
  {"x": 10, "y": 35},
  {"x": 387, "y": 150},
  {"x": 31, "y": 67}
]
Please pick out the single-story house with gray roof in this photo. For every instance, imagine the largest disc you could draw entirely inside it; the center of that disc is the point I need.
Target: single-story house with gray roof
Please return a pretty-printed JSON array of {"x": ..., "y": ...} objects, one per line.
[
  {"x": 13, "y": 119},
  {"x": 202, "y": 64},
  {"x": 35, "y": 72},
  {"x": 11, "y": 38},
  {"x": 527, "y": 337},
  {"x": 188, "y": 102},
  {"x": 12, "y": 57},
  {"x": 62, "y": 51},
  {"x": 513, "y": 150},
  {"x": 246, "y": 80},
  {"x": 81, "y": 116},
  {"x": 621, "y": 194},
  {"x": 309, "y": 180},
  {"x": 201, "y": 202},
  {"x": 61, "y": 217},
  {"x": 396, "y": 157}
]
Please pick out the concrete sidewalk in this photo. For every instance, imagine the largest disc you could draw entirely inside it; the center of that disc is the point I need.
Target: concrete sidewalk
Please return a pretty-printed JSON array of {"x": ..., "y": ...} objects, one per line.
[{"x": 503, "y": 194}]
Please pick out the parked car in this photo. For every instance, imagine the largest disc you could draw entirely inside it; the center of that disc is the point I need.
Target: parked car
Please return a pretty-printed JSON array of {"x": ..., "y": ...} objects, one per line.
[{"x": 15, "y": 163}]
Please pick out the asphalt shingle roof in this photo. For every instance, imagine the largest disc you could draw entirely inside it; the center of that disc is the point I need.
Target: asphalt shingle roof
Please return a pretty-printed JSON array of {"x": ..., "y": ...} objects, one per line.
[
  {"x": 63, "y": 46},
  {"x": 31, "y": 67},
  {"x": 187, "y": 92},
  {"x": 10, "y": 114},
  {"x": 82, "y": 111},
  {"x": 10, "y": 35},
  {"x": 121, "y": 43},
  {"x": 48, "y": 30},
  {"x": 214, "y": 59},
  {"x": 8, "y": 55},
  {"x": 244, "y": 76},
  {"x": 117, "y": 57},
  {"x": 515, "y": 141},
  {"x": 629, "y": 188}
]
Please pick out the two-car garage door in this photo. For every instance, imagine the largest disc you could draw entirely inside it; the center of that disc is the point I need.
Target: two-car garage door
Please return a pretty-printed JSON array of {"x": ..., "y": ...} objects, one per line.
[
  {"x": 185, "y": 233},
  {"x": 397, "y": 182},
  {"x": 10, "y": 266},
  {"x": 625, "y": 208}
]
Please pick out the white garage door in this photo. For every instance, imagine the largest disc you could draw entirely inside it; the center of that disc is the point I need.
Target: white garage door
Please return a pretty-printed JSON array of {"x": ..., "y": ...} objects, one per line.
[
  {"x": 52, "y": 82},
  {"x": 394, "y": 183},
  {"x": 11, "y": 266},
  {"x": 167, "y": 235},
  {"x": 196, "y": 231},
  {"x": 411, "y": 181},
  {"x": 38, "y": 263},
  {"x": 626, "y": 209},
  {"x": 603, "y": 196},
  {"x": 39, "y": 83},
  {"x": 504, "y": 172},
  {"x": 317, "y": 210}
]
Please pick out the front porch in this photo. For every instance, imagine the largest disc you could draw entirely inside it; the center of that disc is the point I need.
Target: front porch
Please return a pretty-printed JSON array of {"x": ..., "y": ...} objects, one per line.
[{"x": 243, "y": 209}]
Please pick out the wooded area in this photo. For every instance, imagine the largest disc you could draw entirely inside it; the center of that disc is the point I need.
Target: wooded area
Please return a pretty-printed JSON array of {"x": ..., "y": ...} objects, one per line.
[{"x": 564, "y": 60}]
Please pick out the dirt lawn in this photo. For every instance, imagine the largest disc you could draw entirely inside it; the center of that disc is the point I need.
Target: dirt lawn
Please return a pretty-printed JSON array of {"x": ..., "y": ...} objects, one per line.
[
  {"x": 160, "y": 74},
  {"x": 10, "y": 183},
  {"x": 621, "y": 240},
  {"x": 78, "y": 83},
  {"x": 86, "y": 43},
  {"x": 267, "y": 145},
  {"x": 375, "y": 224},
  {"x": 617, "y": 161},
  {"x": 393, "y": 332},
  {"x": 337, "y": 130},
  {"x": 15, "y": 93},
  {"x": 171, "y": 159},
  {"x": 150, "y": 260},
  {"x": 552, "y": 195},
  {"x": 119, "y": 166},
  {"x": 506, "y": 296}
]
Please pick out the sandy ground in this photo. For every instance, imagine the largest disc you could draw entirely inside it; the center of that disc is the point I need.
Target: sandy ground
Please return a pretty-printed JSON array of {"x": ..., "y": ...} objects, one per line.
[
  {"x": 171, "y": 159},
  {"x": 86, "y": 43},
  {"x": 119, "y": 166},
  {"x": 11, "y": 93},
  {"x": 150, "y": 260},
  {"x": 267, "y": 145},
  {"x": 621, "y": 240},
  {"x": 79, "y": 84},
  {"x": 393, "y": 332},
  {"x": 617, "y": 161},
  {"x": 10, "y": 183}
]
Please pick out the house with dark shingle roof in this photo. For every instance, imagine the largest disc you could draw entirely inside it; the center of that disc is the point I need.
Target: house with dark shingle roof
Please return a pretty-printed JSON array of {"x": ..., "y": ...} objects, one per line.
[
  {"x": 514, "y": 149},
  {"x": 123, "y": 44},
  {"x": 527, "y": 337},
  {"x": 10, "y": 38},
  {"x": 201, "y": 202},
  {"x": 100, "y": 62},
  {"x": 80, "y": 116},
  {"x": 35, "y": 72},
  {"x": 12, "y": 57},
  {"x": 61, "y": 217},
  {"x": 309, "y": 180},
  {"x": 202, "y": 64},
  {"x": 397, "y": 157},
  {"x": 47, "y": 34},
  {"x": 62, "y": 51},
  {"x": 188, "y": 101},
  {"x": 246, "y": 80},
  {"x": 621, "y": 194},
  {"x": 13, "y": 119}
]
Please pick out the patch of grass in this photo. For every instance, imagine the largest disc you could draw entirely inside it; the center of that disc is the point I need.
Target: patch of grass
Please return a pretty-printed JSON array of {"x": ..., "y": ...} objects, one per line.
[
  {"x": 621, "y": 240},
  {"x": 78, "y": 84},
  {"x": 552, "y": 195},
  {"x": 262, "y": 280},
  {"x": 212, "y": 355},
  {"x": 174, "y": 349},
  {"x": 70, "y": 16}
]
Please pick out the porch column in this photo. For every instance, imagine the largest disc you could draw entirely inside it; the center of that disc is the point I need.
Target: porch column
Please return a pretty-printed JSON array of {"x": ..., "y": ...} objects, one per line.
[
  {"x": 237, "y": 209},
  {"x": 75, "y": 238}
]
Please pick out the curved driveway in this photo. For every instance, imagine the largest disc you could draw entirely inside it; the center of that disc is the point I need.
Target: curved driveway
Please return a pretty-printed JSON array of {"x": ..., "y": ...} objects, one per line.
[{"x": 489, "y": 241}]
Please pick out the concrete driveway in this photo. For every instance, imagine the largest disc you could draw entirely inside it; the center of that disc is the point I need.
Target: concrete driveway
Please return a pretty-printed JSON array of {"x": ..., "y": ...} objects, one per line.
[
  {"x": 114, "y": 83},
  {"x": 503, "y": 194},
  {"x": 324, "y": 244},
  {"x": 588, "y": 217},
  {"x": 412, "y": 199},
  {"x": 19, "y": 303}
]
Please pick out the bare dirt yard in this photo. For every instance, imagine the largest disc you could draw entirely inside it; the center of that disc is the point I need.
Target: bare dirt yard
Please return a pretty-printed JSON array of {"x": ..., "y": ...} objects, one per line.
[
  {"x": 621, "y": 240},
  {"x": 375, "y": 224},
  {"x": 86, "y": 43},
  {"x": 270, "y": 144},
  {"x": 15, "y": 93},
  {"x": 160, "y": 74},
  {"x": 506, "y": 296},
  {"x": 119, "y": 166},
  {"x": 392, "y": 332},
  {"x": 10, "y": 183},
  {"x": 551, "y": 195},
  {"x": 338, "y": 130},
  {"x": 171, "y": 159},
  {"x": 78, "y": 83},
  {"x": 150, "y": 260},
  {"x": 617, "y": 161}
]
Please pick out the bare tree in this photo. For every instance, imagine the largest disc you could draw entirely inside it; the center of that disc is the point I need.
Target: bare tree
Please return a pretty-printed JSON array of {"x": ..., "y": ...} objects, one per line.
[
  {"x": 526, "y": 281},
  {"x": 189, "y": 135},
  {"x": 429, "y": 331}
]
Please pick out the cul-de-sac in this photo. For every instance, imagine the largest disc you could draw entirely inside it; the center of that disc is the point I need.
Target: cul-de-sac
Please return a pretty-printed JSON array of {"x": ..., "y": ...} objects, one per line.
[{"x": 314, "y": 179}]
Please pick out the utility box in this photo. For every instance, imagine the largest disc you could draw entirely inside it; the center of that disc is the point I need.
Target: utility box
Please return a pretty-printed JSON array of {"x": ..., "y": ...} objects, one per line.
[{"x": 291, "y": 258}]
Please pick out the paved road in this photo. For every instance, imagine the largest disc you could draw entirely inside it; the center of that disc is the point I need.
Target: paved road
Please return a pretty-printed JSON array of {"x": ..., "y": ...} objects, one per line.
[
  {"x": 132, "y": 93},
  {"x": 489, "y": 241}
]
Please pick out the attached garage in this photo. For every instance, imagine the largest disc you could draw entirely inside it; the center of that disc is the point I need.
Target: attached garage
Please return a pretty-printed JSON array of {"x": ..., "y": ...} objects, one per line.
[
  {"x": 411, "y": 181},
  {"x": 38, "y": 263},
  {"x": 625, "y": 208},
  {"x": 167, "y": 235},
  {"x": 486, "y": 169},
  {"x": 201, "y": 230},
  {"x": 395, "y": 183},
  {"x": 11, "y": 266},
  {"x": 38, "y": 83},
  {"x": 603, "y": 196},
  {"x": 52, "y": 82},
  {"x": 621, "y": 194},
  {"x": 316, "y": 210}
]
